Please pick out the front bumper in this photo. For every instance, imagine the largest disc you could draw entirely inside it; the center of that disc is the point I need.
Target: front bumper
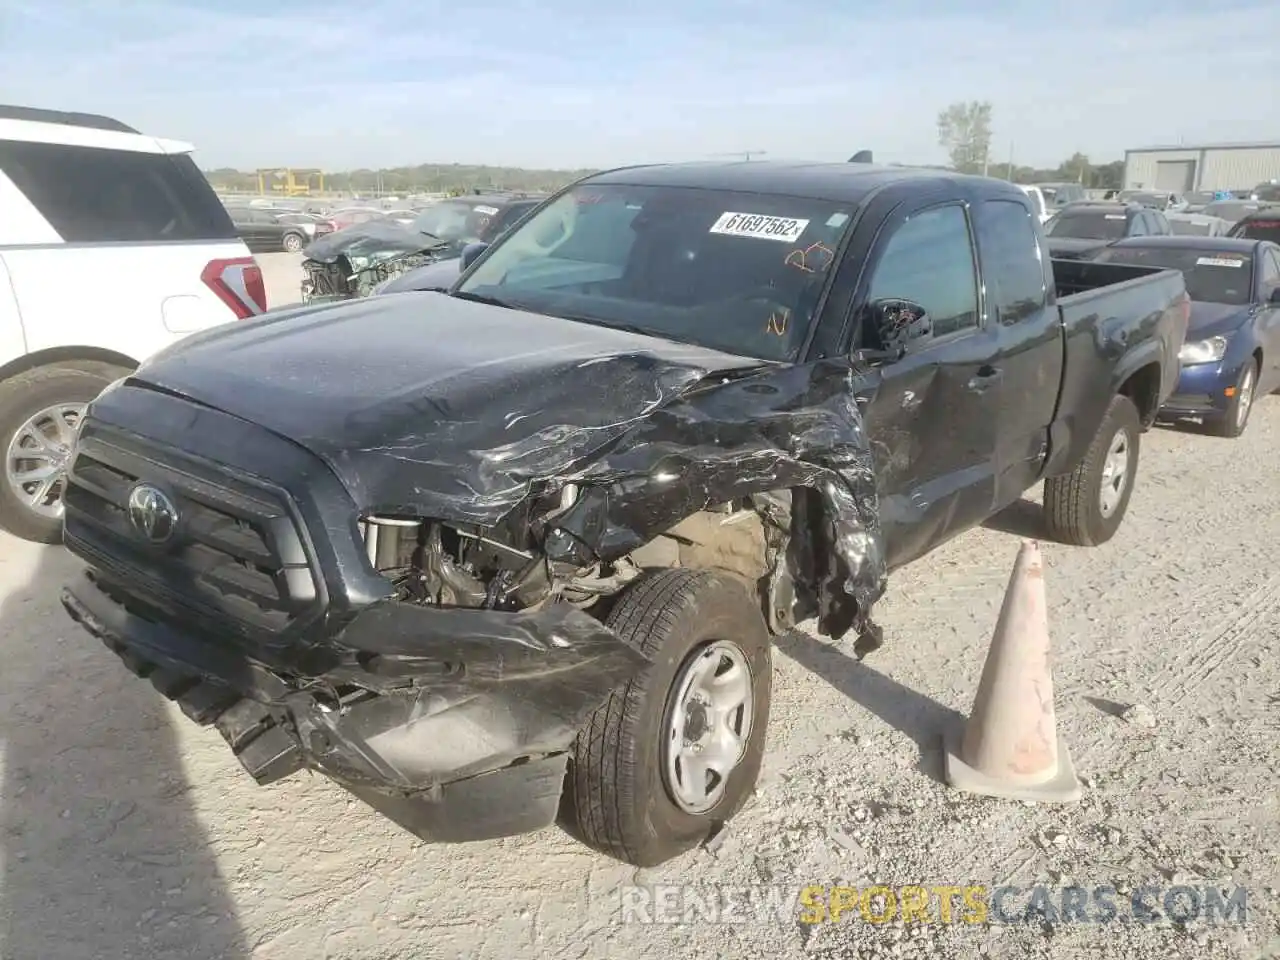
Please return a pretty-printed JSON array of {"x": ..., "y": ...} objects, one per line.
[
  {"x": 455, "y": 724},
  {"x": 1201, "y": 391}
]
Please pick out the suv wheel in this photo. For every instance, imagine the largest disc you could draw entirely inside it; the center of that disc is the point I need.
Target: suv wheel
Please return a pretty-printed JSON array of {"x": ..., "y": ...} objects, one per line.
[
  {"x": 40, "y": 412},
  {"x": 674, "y": 754}
]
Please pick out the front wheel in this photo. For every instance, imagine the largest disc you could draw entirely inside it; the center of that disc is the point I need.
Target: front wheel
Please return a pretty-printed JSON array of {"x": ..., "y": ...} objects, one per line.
[
  {"x": 1085, "y": 507},
  {"x": 1236, "y": 416},
  {"x": 40, "y": 413},
  {"x": 675, "y": 753}
]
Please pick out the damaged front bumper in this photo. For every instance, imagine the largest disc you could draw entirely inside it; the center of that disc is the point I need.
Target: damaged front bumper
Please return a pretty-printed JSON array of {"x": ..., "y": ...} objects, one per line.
[{"x": 455, "y": 724}]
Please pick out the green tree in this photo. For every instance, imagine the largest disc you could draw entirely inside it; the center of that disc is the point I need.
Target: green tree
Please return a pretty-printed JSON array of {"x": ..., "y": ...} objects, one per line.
[
  {"x": 964, "y": 129},
  {"x": 1075, "y": 168}
]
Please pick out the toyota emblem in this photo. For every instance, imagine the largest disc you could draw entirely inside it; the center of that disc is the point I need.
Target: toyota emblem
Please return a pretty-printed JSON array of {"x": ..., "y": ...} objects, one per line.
[{"x": 152, "y": 513}]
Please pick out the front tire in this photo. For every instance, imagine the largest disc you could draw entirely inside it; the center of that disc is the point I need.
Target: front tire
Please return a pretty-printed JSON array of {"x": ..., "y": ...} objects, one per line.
[
  {"x": 1086, "y": 506},
  {"x": 40, "y": 411},
  {"x": 674, "y": 754},
  {"x": 1236, "y": 416}
]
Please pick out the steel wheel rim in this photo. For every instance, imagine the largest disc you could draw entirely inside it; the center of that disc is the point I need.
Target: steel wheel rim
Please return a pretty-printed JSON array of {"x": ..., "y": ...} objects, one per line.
[
  {"x": 708, "y": 725},
  {"x": 38, "y": 455},
  {"x": 1244, "y": 398},
  {"x": 1115, "y": 473}
]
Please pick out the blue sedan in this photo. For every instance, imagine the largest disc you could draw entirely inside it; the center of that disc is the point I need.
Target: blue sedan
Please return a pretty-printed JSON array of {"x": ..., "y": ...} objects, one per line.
[{"x": 1232, "y": 351}]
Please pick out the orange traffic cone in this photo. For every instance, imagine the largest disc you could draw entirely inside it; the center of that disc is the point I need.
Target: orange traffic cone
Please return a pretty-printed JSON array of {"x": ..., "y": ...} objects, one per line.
[{"x": 1010, "y": 747}]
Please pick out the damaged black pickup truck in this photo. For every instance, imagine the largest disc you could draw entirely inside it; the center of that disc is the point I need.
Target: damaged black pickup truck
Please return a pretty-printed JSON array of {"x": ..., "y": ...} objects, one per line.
[{"x": 514, "y": 552}]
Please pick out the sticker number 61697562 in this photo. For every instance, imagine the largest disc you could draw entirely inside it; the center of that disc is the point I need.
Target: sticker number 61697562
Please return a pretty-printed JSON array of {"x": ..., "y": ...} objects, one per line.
[{"x": 784, "y": 229}]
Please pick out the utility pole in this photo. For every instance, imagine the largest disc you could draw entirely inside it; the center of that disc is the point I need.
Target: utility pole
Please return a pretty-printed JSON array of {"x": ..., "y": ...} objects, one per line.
[{"x": 1009, "y": 174}]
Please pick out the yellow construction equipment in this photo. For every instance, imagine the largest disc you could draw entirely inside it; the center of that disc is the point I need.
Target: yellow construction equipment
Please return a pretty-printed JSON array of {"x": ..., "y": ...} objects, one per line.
[{"x": 290, "y": 182}]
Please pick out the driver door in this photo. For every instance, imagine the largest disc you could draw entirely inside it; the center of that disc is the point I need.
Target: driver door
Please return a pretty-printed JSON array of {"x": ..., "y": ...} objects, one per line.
[{"x": 931, "y": 416}]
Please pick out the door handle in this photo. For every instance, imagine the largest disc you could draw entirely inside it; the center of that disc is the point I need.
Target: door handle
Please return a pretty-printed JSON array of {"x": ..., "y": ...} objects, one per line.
[{"x": 985, "y": 378}]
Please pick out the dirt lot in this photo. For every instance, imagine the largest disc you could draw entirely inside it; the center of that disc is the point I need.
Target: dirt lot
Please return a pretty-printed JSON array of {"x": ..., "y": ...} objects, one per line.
[{"x": 128, "y": 832}]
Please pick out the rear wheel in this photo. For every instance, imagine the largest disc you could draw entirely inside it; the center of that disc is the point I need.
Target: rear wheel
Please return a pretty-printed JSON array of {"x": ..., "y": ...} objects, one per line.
[
  {"x": 675, "y": 753},
  {"x": 1085, "y": 507},
  {"x": 40, "y": 412},
  {"x": 1236, "y": 417},
  {"x": 293, "y": 243}
]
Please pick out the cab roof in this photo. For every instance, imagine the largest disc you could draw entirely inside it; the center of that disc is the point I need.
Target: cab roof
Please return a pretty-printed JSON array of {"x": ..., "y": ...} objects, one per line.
[{"x": 840, "y": 182}]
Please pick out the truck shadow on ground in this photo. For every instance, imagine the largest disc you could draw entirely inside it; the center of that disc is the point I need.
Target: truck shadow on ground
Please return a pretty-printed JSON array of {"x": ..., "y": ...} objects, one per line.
[
  {"x": 103, "y": 855},
  {"x": 919, "y": 717},
  {"x": 1022, "y": 518}
]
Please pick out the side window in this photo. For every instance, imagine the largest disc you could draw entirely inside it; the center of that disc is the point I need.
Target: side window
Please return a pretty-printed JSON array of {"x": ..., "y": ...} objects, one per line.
[
  {"x": 929, "y": 260},
  {"x": 1011, "y": 260},
  {"x": 1270, "y": 273},
  {"x": 99, "y": 196}
]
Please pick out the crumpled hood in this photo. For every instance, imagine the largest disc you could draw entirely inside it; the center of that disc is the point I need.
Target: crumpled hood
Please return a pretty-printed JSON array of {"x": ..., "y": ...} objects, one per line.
[
  {"x": 483, "y": 398},
  {"x": 368, "y": 243},
  {"x": 433, "y": 406},
  {"x": 1212, "y": 319}
]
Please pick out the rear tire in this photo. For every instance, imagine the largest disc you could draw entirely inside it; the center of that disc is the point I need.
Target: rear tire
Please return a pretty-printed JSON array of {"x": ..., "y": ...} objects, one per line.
[
  {"x": 1232, "y": 423},
  {"x": 293, "y": 243},
  {"x": 39, "y": 412},
  {"x": 621, "y": 796},
  {"x": 1086, "y": 506}
]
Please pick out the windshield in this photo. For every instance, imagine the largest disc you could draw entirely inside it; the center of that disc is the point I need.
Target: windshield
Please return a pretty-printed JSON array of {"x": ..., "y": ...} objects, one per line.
[
  {"x": 738, "y": 272},
  {"x": 1212, "y": 276},
  {"x": 1190, "y": 228},
  {"x": 1258, "y": 229},
  {"x": 454, "y": 220},
  {"x": 1087, "y": 225}
]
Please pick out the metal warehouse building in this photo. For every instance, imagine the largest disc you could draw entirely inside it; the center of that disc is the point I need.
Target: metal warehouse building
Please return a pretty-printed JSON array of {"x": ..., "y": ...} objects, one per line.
[{"x": 1211, "y": 166}]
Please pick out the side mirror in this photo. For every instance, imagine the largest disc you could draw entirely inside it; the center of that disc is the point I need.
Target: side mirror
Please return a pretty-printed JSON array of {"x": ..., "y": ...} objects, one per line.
[
  {"x": 470, "y": 252},
  {"x": 899, "y": 323}
]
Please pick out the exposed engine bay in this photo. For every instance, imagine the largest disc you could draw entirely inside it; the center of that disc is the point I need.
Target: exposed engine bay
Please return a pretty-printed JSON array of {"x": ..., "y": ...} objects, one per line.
[
  {"x": 433, "y": 563},
  {"x": 349, "y": 277}
]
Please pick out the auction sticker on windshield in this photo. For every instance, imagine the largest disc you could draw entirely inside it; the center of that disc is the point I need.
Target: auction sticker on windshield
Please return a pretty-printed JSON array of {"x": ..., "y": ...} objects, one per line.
[
  {"x": 487, "y": 211},
  {"x": 760, "y": 226},
  {"x": 1218, "y": 262},
  {"x": 1115, "y": 216}
]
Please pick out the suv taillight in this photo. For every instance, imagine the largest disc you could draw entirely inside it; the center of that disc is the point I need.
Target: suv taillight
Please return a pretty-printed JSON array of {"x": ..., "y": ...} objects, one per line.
[{"x": 238, "y": 283}]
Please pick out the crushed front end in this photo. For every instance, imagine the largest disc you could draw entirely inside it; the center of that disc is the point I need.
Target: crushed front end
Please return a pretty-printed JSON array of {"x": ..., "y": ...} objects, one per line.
[{"x": 411, "y": 662}]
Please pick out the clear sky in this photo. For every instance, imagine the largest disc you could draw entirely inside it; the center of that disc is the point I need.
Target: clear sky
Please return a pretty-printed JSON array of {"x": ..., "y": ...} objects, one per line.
[{"x": 567, "y": 84}]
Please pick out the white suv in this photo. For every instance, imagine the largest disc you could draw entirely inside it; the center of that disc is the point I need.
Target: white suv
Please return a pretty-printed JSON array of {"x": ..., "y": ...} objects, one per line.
[{"x": 112, "y": 246}]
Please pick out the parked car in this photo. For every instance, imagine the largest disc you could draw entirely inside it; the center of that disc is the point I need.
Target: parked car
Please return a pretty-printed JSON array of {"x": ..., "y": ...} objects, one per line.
[
  {"x": 266, "y": 230},
  {"x": 1268, "y": 192},
  {"x": 112, "y": 246},
  {"x": 441, "y": 273},
  {"x": 1082, "y": 229},
  {"x": 1232, "y": 353},
  {"x": 351, "y": 216},
  {"x": 402, "y": 216},
  {"x": 1232, "y": 210},
  {"x": 1038, "y": 201},
  {"x": 1154, "y": 199},
  {"x": 1261, "y": 224},
  {"x": 1059, "y": 195},
  {"x": 359, "y": 260},
  {"x": 519, "y": 549},
  {"x": 1197, "y": 225}
]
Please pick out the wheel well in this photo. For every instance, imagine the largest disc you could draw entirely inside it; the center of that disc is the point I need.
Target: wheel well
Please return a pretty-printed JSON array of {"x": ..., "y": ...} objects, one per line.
[
  {"x": 1257, "y": 355},
  {"x": 57, "y": 355},
  {"x": 1143, "y": 388}
]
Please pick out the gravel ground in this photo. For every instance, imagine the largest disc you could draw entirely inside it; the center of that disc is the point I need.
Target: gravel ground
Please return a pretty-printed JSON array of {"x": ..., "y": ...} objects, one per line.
[{"x": 130, "y": 833}]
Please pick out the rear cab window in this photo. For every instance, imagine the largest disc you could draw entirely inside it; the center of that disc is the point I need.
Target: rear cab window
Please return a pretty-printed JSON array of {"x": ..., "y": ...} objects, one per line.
[{"x": 92, "y": 195}]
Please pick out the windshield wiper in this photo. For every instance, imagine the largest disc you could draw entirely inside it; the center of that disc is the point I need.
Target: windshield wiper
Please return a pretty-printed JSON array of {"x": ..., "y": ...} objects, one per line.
[{"x": 485, "y": 299}]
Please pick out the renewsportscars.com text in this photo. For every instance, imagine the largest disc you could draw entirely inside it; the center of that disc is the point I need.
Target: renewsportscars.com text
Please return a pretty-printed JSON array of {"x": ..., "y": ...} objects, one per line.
[{"x": 971, "y": 904}]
